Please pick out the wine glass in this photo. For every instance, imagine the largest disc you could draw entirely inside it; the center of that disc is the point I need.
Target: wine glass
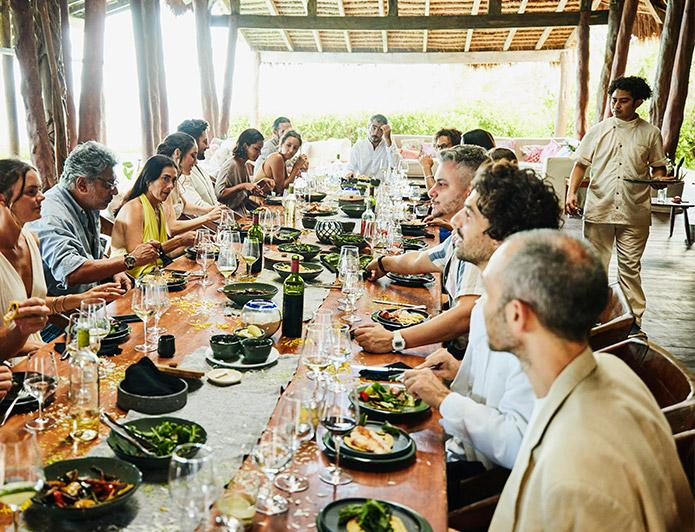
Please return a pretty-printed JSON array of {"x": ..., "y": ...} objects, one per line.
[
  {"x": 341, "y": 345},
  {"x": 160, "y": 295},
  {"x": 205, "y": 255},
  {"x": 291, "y": 425},
  {"x": 21, "y": 475},
  {"x": 192, "y": 483},
  {"x": 353, "y": 288},
  {"x": 315, "y": 351},
  {"x": 275, "y": 223},
  {"x": 94, "y": 313},
  {"x": 339, "y": 414},
  {"x": 250, "y": 253},
  {"x": 349, "y": 261},
  {"x": 144, "y": 305},
  {"x": 40, "y": 382},
  {"x": 74, "y": 325},
  {"x": 267, "y": 223},
  {"x": 227, "y": 261},
  {"x": 272, "y": 453}
]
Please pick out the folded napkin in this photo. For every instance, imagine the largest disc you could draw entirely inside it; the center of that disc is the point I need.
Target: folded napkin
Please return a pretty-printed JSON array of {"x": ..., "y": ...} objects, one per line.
[{"x": 143, "y": 378}]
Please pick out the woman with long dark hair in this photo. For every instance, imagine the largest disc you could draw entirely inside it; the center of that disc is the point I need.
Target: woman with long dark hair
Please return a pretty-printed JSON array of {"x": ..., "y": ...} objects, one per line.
[
  {"x": 234, "y": 186},
  {"x": 275, "y": 166},
  {"x": 142, "y": 217}
]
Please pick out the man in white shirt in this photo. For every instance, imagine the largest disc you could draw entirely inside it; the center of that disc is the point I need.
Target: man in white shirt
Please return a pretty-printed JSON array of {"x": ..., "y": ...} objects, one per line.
[
  {"x": 488, "y": 405},
  {"x": 376, "y": 152},
  {"x": 281, "y": 125},
  {"x": 198, "y": 186},
  {"x": 620, "y": 149}
]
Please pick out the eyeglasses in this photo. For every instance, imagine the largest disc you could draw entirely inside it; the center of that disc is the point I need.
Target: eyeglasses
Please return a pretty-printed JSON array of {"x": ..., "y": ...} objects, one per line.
[
  {"x": 109, "y": 184},
  {"x": 440, "y": 147}
]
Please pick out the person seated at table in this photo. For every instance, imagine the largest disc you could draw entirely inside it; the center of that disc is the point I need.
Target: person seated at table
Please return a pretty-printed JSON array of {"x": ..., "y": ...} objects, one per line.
[
  {"x": 461, "y": 282},
  {"x": 69, "y": 227},
  {"x": 21, "y": 269},
  {"x": 233, "y": 187},
  {"x": 281, "y": 125},
  {"x": 197, "y": 186},
  {"x": 503, "y": 154},
  {"x": 274, "y": 167},
  {"x": 479, "y": 137},
  {"x": 488, "y": 405},
  {"x": 376, "y": 152},
  {"x": 142, "y": 217},
  {"x": 27, "y": 318},
  {"x": 598, "y": 454},
  {"x": 444, "y": 139}
]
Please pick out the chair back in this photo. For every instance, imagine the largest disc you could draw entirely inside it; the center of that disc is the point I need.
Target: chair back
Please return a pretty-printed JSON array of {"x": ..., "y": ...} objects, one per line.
[
  {"x": 615, "y": 321},
  {"x": 685, "y": 443}
]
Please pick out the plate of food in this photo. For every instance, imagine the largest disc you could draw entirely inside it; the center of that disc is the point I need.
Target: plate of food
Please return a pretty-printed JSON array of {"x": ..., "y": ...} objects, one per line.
[
  {"x": 242, "y": 293},
  {"x": 413, "y": 228},
  {"x": 175, "y": 279},
  {"x": 191, "y": 252},
  {"x": 350, "y": 239},
  {"x": 331, "y": 260},
  {"x": 307, "y": 251},
  {"x": 375, "y": 441},
  {"x": 162, "y": 433},
  {"x": 318, "y": 209},
  {"x": 273, "y": 200},
  {"x": 85, "y": 488},
  {"x": 389, "y": 401},
  {"x": 399, "y": 318},
  {"x": 410, "y": 244},
  {"x": 240, "y": 365},
  {"x": 669, "y": 181},
  {"x": 358, "y": 514},
  {"x": 285, "y": 235},
  {"x": 315, "y": 197},
  {"x": 119, "y": 332},
  {"x": 411, "y": 279},
  {"x": 307, "y": 270},
  {"x": 350, "y": 198}
]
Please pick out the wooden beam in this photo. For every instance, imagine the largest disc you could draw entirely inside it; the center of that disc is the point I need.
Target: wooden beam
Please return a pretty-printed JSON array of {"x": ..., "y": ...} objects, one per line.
[
  {"x": 658, "y": 17},
  {"x": 314, "y": 33},
  {"x": 9, "y": 80},
  {"x": 208, "y": 90},
  {"x": 393, "y": 8},
  {"x": 92, "y": 71},
  {"x": 346, "y": 35},
  {"x": 563, "y": 95},
  {"x": 664, "y": 67},
  {"x": 415, "y": 23},
  {"x": 226, "y": 102},
  {"x": 615, "y": 13},
  {"x": 512, "y": 32},
  {"x": 582, "y": 74},
  {"x": 494, "y": 7},
  {"x": 275, "y": 13},
  {"x": 622, "y": 44},
  {"x": 138, "y": 19},
  {"x": 384, "y": 34},
  {"x": 475, "y": 58},
  {"x": 311, "y": 8},
  {"x": 469, "y": 33},
  {"x": 546, "y": 32}
]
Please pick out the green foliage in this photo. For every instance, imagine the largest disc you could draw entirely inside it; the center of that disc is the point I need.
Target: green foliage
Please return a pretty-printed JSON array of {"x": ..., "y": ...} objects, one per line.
[{"x": 686, "y": 141}]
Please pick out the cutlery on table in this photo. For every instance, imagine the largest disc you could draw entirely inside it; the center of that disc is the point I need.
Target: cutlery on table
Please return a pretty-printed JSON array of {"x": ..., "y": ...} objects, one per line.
[
  {"x": 396, "y": 304},
  {"x": 23, "y": 394},
  {"x": 126, "y": 434}
]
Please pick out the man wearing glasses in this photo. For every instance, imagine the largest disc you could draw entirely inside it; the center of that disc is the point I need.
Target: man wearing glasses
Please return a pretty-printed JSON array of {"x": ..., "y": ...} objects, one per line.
[
  {"x": 444, "y": 139},
  {"x": 69, "y": 227}
]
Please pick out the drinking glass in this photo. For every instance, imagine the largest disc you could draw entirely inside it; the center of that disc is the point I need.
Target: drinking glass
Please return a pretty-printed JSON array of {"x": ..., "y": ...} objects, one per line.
[
  {"x": 74, "y": 324},
  {"x": 275, "y": 223},
  {"x": 205, "y": 255},
  {"x": 94, "y": 313},
  {"x": 290, "y": 424},
  {"x": 250, "y": 253},
  {"x": 339, "y": 414},
  {"x": 349, "y": 261},
  {"x": 316, "y": 349},
  {"x": 238, "y": 503},
  {"x": 192, "y": 483},
  {"x": 353, "y": 288},
  {"x": 227, "y": 261},
  {"x": 144, "y": 305},
  {"x": 161, "y": 297},
  {"x": 40, "y": 382},
  {"x": 272, "y": 453},
  {"x": 21, "y": 475},
  {"x": 341, "y": 345}
]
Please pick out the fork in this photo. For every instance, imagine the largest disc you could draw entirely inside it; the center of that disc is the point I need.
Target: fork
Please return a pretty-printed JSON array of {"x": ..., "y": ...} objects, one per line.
[{"x": 23, "y": 394}]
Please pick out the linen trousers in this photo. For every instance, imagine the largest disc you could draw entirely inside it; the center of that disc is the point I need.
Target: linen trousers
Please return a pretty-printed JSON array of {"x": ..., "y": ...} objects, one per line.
[{"x": 630, "y": 241}]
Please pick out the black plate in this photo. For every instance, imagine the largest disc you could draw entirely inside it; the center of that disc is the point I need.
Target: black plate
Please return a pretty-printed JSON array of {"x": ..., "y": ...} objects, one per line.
[
  {"x": 415, "y": 279},
  {"x": 316, "y": 270},
  {"x": 394, "y": 325},
  {"x": 27, "y": 404},
  {"x": 307, "y": 254},
  {"x": 330, "y": 261},
  {"x": 401, "y": 446},
  {"x": 370, "y": 463},
  {"x": 413, "y": 230},
  {"x": 405, "y": 415},
  {"x": 120, "y": 331},
  {"x": 410, "y": 244},
  {"x": 316, "y": 197},
  {"x": 327, "y": 519},
  {"x": 286, "y": 235},
  {"x": 273, "y": 200},
  {"x": 191, "y": 253}
]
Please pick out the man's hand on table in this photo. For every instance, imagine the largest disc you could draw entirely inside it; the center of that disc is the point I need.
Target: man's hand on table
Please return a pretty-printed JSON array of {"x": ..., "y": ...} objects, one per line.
[
  {"x": 374, "y": 338},
  {"x": 123, "y": 280},
  {"x": 373, "y": 271},
  {"x": 442, "y": 363},
  {"x": 424, "y": 384},
  {"x": 5, "y": 381}
]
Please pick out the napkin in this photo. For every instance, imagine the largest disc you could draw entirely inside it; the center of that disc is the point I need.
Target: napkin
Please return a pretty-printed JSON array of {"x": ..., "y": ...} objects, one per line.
[{"x": 143, "y": 378}]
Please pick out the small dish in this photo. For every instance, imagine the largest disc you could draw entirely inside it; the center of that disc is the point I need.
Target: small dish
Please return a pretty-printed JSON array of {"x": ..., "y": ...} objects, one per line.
[
  {"x": 256, "y": 350},
  {"x": 226, "y": 347},
  {"x": 240, "y": 365},
  {"x": 224, "y": 376}
]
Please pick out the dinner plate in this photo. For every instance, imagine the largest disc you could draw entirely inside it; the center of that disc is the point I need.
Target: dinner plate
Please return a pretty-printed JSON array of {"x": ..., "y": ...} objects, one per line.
[
  {"x": 394, "y": 325},
  {"x": 327, "y": 519},
  {"x": 401, "y": 445},
  {"x": 239, "y": 364},
  {"x": 405, "y": 414},
  {"x": 191, "y": 253},
  {"x": 273, "y": 200},
  {"x": 371, "y": 463},
  {"x": 284, "y": 236},
  {"x": 119, "y": 333},
  {"x": 413, "y": 244},
  {"x": 413, "y": 280},
  {"x": 25, "y": 404}
]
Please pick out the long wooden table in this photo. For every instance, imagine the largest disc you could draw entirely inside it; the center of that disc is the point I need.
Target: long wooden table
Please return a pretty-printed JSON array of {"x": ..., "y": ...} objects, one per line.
[{"x": 421, "y": 486}]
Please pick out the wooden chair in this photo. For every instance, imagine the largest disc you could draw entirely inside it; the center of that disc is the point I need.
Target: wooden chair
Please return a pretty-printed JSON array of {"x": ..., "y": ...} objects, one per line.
[
  {"x": 615, "y": 321},
  {"x": 685, "y": 443},
  {"x": 477, "y": 515}
]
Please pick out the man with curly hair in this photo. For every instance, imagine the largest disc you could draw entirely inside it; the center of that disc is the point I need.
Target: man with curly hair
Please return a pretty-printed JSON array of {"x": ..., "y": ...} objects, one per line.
[
  {"x": 488, "y": 405},
  {"x": 620, "y": 150}
]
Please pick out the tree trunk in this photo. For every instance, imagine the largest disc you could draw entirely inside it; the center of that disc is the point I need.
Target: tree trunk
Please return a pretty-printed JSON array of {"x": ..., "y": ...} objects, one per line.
[
  {"x": 563, "y": 96},
  {"x": 254, "y": 104},
  {"x": 208, "y": 91},
  {"x": 160, "y": 73},
  {"x": 622, "y": 46},
  {"x": 148, "y": 14},
  {"x": 582, "y": 74},
  {"x": 70, "y": 112},
  {"x": 25, "y": 48},
  {"x": 92, "y": 70},
  {"x": 228, "y": 78},
  {"x": 673, "y": 117},
  {"x": 664, "y": 66},
  {"x": 143, "y": 79},
  {"x": 614, "y": 15},
  {"x": 8, "y": 79}
]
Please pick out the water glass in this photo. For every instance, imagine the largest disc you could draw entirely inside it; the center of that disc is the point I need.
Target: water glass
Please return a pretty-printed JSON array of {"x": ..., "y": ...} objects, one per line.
[
  {"x": 353, "y": 288},
  {"x": 205, "y": 256},
  {"x": 192, "y": 483},
  {"x": 94, "y": 314},
  {"x": 316, "y": 349},
  {"x": 160, "y": 295},
  {"x": 40, "y": 382},
  {"x": 272, "y": 454},
  {"x": 238, "y": 504},
  {"x": 144, "y": 305}
]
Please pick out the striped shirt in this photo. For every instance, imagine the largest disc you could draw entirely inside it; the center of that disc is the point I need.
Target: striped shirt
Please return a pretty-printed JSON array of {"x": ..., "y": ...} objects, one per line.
[{"x": 459, "y": 278}]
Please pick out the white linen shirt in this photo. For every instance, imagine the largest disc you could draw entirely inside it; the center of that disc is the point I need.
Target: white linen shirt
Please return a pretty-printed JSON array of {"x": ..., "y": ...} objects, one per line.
[
  {"x": 197, "y": 188},
  {"x": 490, "y": 405},
  {"x": 367, "y": 160}
]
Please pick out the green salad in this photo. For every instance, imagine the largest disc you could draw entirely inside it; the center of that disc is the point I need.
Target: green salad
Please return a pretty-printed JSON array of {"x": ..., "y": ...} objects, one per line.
[
  {"x": 372, "y": 516},
  {"x": 167, "y": 435},
  {"x": 390, "y": 397}
]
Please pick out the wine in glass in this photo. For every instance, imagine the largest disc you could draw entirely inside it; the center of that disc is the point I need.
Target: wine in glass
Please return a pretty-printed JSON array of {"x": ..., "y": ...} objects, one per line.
[
  {"x": 193, "y": 484},
  {"x": 291, "y": 425},
  {"x": 144, "y": 305},
  {"x": 40, "y": 382},
  {"x": 272, "y": 453},
  {"x": 341, "y": 346},
  {"x": 94, "y": 315},
  {"x": 161, "y": 296},
  {"x": 316, "y": 349},
  {"x": 227, "y": 261},
  {"x": 250, "y": 253},
  {"x": 353, "y": 288},
  {"x": 339, "y": 414},
  {"x": 349, "y": 261}
]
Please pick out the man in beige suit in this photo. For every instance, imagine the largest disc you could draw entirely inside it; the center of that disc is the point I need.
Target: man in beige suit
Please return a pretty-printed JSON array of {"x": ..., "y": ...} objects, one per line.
[{"x": 598, "y": 453}]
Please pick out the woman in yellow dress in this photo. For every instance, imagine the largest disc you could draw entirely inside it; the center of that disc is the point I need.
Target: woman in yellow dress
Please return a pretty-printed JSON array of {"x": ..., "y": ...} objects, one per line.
[{"x": 142, "y": 217}]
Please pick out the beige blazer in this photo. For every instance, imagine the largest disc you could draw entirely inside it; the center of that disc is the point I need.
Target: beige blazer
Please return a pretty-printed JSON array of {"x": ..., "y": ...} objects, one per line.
[{"x": 598, "y": 455}]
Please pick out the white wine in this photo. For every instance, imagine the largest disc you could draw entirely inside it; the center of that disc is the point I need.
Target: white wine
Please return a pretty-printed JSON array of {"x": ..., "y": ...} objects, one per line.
[
  {"x": 226, "y": 272},
  {"x": 144, "y": 313},
  {"x": 241, "y": 506},
  {"x": 15, "y": 494},
  {"x": 248, "y": 259}
]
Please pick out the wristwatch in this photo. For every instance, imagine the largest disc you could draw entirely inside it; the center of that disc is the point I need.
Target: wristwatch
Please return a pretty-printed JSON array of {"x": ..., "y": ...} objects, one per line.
[
  {"x": 129, "y": 261},
  {"x": 398, "y": 343}
]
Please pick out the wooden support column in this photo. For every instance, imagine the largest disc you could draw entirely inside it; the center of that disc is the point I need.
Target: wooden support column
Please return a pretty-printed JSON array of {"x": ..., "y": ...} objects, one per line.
[
  {"x": 563, "y": 96},
  {"x": 226, "y": 103},
  {"x": 664, "y": 66},
  {"x": 254, "y": 107},
  {"x": 622, "y": 45},
  {"x": 614, "y": 15},
  {"x": 25, "y": 48},
  {"x": 148, "y": 140},
  {"x": 92, "y": 71},
  {"x": 66, "y": 48},
  {"x": 675, "y": 107},
  {"x": 208, "y": 92},
  {"x": 8, "y": 80},
  {"x": 580, "y": 126},
  {"x": 157, "y": 69}
]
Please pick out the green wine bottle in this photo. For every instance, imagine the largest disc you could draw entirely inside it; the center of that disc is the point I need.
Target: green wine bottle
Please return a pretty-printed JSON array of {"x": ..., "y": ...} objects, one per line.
[
  {"x": 256, "y": 233},
  {"x": 293, "y": 302}
]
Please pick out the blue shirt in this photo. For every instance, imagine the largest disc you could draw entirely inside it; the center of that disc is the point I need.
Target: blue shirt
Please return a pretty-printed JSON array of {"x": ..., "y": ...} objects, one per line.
[{"x": 68, "y": 236}]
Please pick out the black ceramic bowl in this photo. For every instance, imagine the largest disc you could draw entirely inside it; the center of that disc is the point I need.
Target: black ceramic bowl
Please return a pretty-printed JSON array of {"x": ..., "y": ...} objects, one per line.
[
  {"x": 307, "y": 251},
  {"x": 242, "y": 293},
  {"x": 354, "y": 210},
  {"x": 309, "y": 222},
  {"x": 311, "y": 270},
  {"x": 350, "y": 239},
  {"x": 152, "y": 404},
  {"x": 225, "y": 347},
  {"x": 256, "y": 350}
]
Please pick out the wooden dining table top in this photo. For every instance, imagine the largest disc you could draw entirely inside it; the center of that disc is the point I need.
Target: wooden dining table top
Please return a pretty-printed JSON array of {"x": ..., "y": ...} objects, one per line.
[{"x": 420, "y": 486}]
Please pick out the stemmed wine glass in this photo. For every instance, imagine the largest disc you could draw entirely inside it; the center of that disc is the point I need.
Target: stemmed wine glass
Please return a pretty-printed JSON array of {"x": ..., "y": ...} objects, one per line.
[
  {"x": 339, "y": 414},
  {"x": 296, "y": 430},
  {"x": 161, "y": 297},
  {"x": 21, "y": 475},
  {"x": 341, "y": 345},
  {"x": 353, "y": 288},
  {"x": 93, "y": 314},
  {"x": 205, "y": 255},
  {"x": 349, "y": 261},
  {"x": 192, "y": 483},
  {"x": 316, "y": 349},
  {"x": 40, "y": 382},
  {"x": 227, "y": 260},
  {"x": 144, "y": 305},
  {"x": 272, "y": 453},
  {"x": 250, "y": 253}
]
